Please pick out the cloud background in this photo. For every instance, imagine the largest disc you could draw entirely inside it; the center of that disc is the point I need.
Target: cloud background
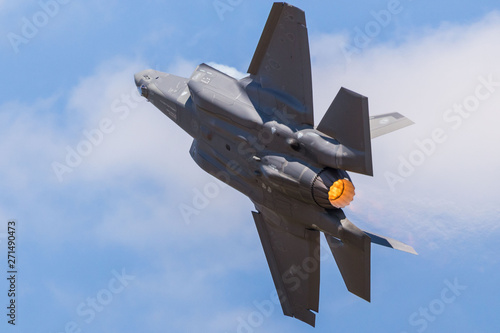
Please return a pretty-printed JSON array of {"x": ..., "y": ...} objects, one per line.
[{"x": 119, "y": 209}]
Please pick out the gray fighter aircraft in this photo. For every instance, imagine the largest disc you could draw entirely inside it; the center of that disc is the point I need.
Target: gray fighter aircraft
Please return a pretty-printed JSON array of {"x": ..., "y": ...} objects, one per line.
[{"x": 257, "y": 134}]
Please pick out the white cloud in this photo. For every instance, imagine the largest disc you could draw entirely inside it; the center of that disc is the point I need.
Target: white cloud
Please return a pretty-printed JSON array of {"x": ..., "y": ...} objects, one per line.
[
  {"x": 451, "y": 194},
  {"x": 231, "y": 71},
  {"x": 144, "y": 146},
  {"x": 420, "y": 78},
  {"x": 140, "y": 173}
]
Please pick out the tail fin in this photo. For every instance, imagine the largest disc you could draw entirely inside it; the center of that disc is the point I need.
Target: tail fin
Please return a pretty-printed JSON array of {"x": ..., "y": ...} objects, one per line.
[
  {"x": 352, "y": 254},
  {"x": 347, "y": 120}
]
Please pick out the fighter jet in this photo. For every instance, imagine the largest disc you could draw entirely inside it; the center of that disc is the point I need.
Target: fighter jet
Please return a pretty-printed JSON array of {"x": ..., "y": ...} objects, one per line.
[{"x": 257, "y": 134}]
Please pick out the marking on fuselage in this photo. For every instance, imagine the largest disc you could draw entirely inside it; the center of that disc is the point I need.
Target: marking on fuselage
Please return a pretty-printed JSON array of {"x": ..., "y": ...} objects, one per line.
[{"x": 267, "y": 188}]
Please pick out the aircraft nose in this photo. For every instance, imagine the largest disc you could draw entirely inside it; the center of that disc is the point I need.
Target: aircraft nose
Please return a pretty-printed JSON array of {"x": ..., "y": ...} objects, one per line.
[
  {"x": 138, "y": 78},
  {"x": 142, "y": 80},
  {"x": 144, "y": 77}
]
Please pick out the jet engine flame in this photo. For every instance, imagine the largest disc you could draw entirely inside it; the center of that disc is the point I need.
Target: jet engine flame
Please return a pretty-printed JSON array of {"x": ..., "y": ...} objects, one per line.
[{"x": 333, "y": 188}]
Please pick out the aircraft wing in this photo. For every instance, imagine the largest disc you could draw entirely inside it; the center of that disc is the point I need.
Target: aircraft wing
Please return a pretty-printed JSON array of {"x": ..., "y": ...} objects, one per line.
[
  {"x": 387, "y": 123},
  {"x": 294, "y": 263},
  {"x": 282, "y": 62}
]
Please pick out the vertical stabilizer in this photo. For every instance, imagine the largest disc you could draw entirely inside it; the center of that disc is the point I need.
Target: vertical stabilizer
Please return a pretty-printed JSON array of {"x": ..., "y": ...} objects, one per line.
[
  {"x": 347, "y": 120},
  {"x": 352, "y": 254}
]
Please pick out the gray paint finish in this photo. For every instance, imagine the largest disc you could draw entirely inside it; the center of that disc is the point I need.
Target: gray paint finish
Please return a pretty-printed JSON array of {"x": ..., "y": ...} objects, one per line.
[{"x": 257, "y": 135}]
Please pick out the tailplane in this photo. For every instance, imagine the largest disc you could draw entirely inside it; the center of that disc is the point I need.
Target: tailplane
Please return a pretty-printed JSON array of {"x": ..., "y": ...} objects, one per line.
[
  {"x": 386, "y": 123},
  {"x": 392, "y": 243}
]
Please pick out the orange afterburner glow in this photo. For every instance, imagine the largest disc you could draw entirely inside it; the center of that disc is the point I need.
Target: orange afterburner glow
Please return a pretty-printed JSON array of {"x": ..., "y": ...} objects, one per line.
[{"x": 341, "y": 193}]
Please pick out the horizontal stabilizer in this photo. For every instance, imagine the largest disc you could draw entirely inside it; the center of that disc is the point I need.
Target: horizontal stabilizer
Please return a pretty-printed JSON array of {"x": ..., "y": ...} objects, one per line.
[
  {"x": 352, "y": 254},
  {"x": 347, "y": 120},
  {"x": 392, "y": 243},
  {"x": 387, "y": 123}
]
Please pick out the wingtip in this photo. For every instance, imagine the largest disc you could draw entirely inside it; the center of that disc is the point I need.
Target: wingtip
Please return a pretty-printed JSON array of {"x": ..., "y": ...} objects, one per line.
[
  {"x": 413, "y": 251},
  {"x": 307, "y": 316}
]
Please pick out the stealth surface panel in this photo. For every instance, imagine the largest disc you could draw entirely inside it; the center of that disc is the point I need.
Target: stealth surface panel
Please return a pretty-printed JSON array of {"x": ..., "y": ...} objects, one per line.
[
  {"x": 282, "y": 63},
  {"x": 353, "y": 256},
  {"x": 347, "y": 120},
  {"x": 295, "y": 267}
]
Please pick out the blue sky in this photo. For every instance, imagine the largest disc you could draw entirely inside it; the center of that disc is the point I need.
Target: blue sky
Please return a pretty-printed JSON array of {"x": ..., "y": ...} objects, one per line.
[{"x": 110, "y": 229}]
